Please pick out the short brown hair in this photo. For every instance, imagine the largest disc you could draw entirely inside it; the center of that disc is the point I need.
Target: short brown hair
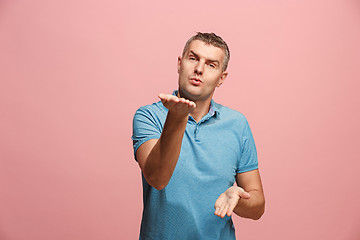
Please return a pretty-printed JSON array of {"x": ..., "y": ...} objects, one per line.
[{"x": 213, "y": 39}]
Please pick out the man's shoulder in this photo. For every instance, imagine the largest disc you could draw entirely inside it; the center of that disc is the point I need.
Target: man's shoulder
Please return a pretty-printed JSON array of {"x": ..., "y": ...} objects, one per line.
[
  {"x": 156, "y": 109},
  {"x": 229, "y": 113}
]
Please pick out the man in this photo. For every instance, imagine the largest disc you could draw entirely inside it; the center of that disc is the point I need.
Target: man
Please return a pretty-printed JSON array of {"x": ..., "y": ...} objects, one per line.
[{"x": 191, "y": 150}]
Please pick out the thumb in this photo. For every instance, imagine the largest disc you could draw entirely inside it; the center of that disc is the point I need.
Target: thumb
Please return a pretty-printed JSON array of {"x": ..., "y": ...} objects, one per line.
[{"x": 243, "y": 194}]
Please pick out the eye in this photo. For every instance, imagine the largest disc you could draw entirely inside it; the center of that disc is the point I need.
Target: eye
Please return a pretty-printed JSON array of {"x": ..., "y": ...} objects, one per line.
[
  {"x": 192, "y": 58},
  {"x": 212, "y": 65}
]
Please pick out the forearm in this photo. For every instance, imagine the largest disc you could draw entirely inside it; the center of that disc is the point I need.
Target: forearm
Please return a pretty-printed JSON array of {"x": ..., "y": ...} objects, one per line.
[
  {"x": 162, "y": 160},
  {"x": 253, "y": 207}
]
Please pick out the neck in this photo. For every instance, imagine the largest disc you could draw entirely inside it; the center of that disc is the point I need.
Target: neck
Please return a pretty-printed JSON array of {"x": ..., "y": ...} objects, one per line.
[{"x": 202, "y": 107}]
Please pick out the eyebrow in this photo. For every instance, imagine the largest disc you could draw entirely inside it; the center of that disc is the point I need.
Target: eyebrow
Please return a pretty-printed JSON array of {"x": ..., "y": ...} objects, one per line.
[{"x": 208, "y": 60}]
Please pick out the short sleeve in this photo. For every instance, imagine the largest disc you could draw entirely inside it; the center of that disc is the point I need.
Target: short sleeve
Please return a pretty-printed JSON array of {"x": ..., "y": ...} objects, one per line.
[
  {"x": 248, "y": 160},
  {"x": 145, "y": 127}
]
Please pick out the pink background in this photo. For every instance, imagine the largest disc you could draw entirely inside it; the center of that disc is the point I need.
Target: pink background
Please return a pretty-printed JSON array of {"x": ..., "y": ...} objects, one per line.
[{"x": 74, "y": 72}]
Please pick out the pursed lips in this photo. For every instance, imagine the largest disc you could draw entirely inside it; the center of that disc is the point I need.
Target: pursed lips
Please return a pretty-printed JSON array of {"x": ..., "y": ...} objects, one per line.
[{"x": 196, "y": 79}]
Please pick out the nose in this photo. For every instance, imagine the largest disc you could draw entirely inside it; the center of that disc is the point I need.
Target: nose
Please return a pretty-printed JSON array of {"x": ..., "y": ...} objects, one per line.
[{"x": 199, "y": 68}]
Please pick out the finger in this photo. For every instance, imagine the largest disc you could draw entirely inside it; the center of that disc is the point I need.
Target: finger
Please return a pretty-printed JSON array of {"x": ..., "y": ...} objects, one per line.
[
  {"x": 182, "y": 100},
  {"x": 168, "y": 97},
  {"x": 229, "y": 211},
  {"x": 231, "y": 207},
  {"x": 173, "y": 98},
  {"x": 165, "y": 97},
  {"x": 162, "y": 95},
  {"x": 219, "y": 201},
  {"x": 218, "y": 205},
  {"x": 217, "y": 210},
  {"x": 190, "y": 104},
  {"x": 223, "y": 211}
]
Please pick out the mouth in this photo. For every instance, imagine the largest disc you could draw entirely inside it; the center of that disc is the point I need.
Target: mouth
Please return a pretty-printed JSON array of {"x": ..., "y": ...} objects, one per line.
[{"x": 195, "y": 81}]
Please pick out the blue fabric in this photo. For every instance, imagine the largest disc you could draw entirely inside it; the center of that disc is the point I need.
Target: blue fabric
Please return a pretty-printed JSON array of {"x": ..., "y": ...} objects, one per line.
[{"x": 213, "y": 151}]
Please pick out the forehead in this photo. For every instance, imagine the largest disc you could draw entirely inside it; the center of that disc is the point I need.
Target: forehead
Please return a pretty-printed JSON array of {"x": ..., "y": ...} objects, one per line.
[{"x": 205, "y": 50}]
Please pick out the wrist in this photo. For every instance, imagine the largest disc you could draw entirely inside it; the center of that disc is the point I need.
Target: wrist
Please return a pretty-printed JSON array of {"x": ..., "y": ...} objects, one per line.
[{"x": 175, "y": 116}]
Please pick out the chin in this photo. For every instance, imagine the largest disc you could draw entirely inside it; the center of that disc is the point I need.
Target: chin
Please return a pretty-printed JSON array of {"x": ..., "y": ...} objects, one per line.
[
  {"x": 188, "y": 94},
  {"x": 194, "y": 97}
]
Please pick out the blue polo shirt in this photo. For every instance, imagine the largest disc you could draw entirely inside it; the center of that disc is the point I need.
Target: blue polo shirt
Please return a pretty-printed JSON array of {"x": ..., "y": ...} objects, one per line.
[{"x": 213, "y": 151}]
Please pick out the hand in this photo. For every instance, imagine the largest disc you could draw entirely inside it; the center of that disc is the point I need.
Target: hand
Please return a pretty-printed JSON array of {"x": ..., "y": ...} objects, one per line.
[
  {"x": 228, "y": 200},
  {"x": 177, "y": 105}
]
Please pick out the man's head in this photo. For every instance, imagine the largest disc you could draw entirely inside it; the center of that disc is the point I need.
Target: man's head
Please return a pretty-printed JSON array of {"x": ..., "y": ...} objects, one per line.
[
  {"x": 202, "y": 66},
  {"x": 212, "y": 39}
]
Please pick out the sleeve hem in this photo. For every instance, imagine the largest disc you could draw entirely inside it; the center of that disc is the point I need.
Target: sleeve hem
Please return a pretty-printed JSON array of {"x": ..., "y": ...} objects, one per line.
[
  {"x": 248, "y": 168},
  {"x": 138, "y": 144}
]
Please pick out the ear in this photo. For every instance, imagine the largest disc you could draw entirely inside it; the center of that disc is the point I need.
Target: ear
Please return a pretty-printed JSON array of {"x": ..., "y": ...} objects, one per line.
[
  {"x": 179, "y": 64},
  {"x": 222, "y": 78}
]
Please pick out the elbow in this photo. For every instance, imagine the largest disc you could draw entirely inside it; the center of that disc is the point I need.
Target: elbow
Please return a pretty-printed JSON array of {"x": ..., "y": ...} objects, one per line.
[
  {"x": 259, "y": 213},
  {"x": 156, "y": 182},
  {"x": 159, "y": 187}
]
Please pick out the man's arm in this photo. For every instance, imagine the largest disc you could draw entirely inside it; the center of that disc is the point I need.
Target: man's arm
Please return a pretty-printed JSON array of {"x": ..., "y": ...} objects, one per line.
[
  {"x": 157, "y": 158},
  {"x": 245, "y": 200}
]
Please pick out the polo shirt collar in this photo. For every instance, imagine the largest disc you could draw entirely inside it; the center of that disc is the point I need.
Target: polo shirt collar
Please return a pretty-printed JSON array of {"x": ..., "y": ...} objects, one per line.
[{"x": 213, "y": 109}]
